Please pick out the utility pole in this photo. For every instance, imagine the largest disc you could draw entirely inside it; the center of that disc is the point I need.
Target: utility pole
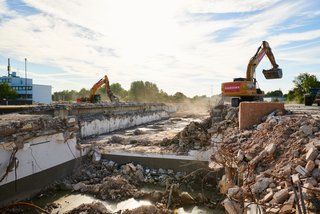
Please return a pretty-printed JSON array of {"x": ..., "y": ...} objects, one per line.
[
  {"x": 25, "y": 73},
  {"x": 8, "y": 68}
]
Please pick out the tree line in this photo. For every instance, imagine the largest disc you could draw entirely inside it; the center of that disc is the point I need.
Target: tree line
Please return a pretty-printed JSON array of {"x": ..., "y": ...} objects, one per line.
[
  {"x": 302, "y": 85},
  {"x": 149, "y": 92},
  {"x": 139, "y": 91}
]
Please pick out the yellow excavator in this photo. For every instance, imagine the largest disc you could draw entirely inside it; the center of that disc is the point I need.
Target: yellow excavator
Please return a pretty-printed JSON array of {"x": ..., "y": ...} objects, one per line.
[
  {"x": 245, "y": 89},
  {"x": 95, "y": 98}
]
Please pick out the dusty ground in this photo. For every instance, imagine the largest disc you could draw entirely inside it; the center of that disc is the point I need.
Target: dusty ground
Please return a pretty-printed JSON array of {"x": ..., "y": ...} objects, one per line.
[{"x": 143, "y": 139}]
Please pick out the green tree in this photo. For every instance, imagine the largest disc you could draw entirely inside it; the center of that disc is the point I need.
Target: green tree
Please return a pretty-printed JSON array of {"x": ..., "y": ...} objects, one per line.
[
  {"x": 6, "y": 92},
  {"x": 151, "y": 92},
  {"x": 65, "y": 95},
  {"x": 276, "y": 93},
  {"x": 179, "y": 97},
  {"x": 136, "y": 91},
  {"x": 303, "y": 82},
  {"x": 117, "y": 89},
  {"x": 83, "y": 92},
  {"x": 163, "y": 96}
]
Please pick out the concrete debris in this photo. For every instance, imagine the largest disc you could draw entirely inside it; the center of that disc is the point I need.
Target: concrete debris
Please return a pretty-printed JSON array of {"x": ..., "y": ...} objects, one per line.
[
  {"x": 301, "y": 170},
  {"x": 306, "y": 129},
  {"x": 96, "y": 156},
  {"x": 106, "y": 180},
  {"x": 281, "y": 196},
  {"x": 261, "y": 185},
  {"x": 19, "y": 128},
  {"x": 201, "y": 135},
  {"x": 312, "y": 154},
  {"x": 186, "y": 198},
  {"x": 96, "y": 208},
  {"x": 151, "y": 209},
  {"x": 266, "y": 158},
  {"x": 232, "y": 207}
]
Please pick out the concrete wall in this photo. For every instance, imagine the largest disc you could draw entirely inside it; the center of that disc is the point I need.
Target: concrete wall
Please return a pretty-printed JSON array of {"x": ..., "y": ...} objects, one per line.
[
  {"x": 251, "y": 113},
  {"x": 38, "y": 154},
  {"x": 106, "y": 124}
]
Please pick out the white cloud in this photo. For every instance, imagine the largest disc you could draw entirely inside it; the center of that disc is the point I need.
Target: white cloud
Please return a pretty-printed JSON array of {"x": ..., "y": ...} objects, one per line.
[
  {"x": 158, "y": 41},
  {"x": 228, "y": 6}
]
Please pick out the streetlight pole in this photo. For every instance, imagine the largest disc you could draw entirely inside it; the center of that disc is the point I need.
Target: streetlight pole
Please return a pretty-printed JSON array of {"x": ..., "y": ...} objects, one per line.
[{"x": 25, "y": 73}]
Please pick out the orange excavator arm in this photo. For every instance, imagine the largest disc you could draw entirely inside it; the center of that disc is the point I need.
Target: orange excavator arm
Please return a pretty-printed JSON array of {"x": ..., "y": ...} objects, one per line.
[
  {"x": 274, "y": 73},
  {"x": 96, "y": 86}
]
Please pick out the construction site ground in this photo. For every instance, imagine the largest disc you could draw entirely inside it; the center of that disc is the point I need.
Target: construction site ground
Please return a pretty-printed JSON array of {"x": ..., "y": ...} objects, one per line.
[
  {"x": 273, "y": 167},
  {"x": 145, "y": 138}
]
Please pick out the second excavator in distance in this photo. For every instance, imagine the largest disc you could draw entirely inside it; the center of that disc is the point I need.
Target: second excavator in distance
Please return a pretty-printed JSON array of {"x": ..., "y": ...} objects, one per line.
[
  {"x": 95, "y": 98},
  {"x": 245, "y": 89}
]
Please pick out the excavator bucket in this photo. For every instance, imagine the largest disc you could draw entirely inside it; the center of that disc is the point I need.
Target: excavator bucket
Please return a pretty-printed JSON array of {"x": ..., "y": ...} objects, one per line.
[{"x": 274, "y": 73}]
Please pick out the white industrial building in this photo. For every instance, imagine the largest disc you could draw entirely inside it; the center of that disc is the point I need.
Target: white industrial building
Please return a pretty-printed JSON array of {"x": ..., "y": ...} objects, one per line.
[
  {"x": 27, "y": 91},
  {"x": 42, "y": 93}
]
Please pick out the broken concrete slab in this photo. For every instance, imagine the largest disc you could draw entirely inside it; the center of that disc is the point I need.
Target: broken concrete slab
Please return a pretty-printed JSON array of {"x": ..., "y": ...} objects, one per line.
[
  {"x": 281, "y": 196},
  {"x": 312, "y": 154}
]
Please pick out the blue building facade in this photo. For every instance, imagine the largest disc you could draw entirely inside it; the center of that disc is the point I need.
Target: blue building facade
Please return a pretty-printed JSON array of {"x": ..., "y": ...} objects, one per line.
[{"x": 23, "y": 86}]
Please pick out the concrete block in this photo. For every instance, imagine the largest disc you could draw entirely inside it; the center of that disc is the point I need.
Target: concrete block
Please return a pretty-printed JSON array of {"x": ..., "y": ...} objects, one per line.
[
  {"x": 316, "y": 143},
  {"x": 253, "y": 208},
  {"x": 261, "y": 185},
  {"x": 267, "y": 197},
  {"x": 281, "y": 196},
  {"x": 295, "y": 178},
  {"x": 235, "y": 192},
  {"x": 231, "y": 206},
  {"x": 287, "y": 206},
  {"x": 301, "y": 170},
  {"x": 287, "y": 170},
  {"x": 307, "y": 188},
  {"x": 312, "y": 181},
  {"x": 306, "y": 129},
  {"x": 271, "y": 148},
  {"x": 310, "y": 165},
  {"x": 251, "y": 113},
  {"x": 312, "y": 154}
]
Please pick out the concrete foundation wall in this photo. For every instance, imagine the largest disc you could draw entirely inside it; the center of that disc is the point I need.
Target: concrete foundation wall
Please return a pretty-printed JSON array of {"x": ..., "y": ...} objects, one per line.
[
  {"x": 107, "y": 124},
  {"x": 38, "y": 154},
  {"x": 251, "y": 113}
]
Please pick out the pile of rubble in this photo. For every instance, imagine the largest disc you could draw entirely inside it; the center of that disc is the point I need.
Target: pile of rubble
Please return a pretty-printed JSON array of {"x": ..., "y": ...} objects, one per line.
[
  {"x": 197, "y": 135},
  {"x": 99, "y": 208},
  {"x": 16, "y": 129},
  {"x": 109, "y": 181},
  {"x": 274, "y": 167}
]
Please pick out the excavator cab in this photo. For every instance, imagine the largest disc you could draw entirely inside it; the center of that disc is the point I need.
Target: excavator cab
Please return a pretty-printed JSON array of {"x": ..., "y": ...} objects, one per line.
[
  {"x": 96, "y": 98},
  {"x": 273, "y": 73}
]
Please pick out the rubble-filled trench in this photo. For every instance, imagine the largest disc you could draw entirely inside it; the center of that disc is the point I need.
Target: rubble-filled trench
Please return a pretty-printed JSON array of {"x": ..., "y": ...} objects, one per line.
[{"x": 272, "y": 168}]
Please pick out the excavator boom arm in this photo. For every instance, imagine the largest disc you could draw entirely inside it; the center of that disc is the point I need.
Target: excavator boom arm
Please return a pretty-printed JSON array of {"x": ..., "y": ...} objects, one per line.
[{"x": 264, "y": 49}]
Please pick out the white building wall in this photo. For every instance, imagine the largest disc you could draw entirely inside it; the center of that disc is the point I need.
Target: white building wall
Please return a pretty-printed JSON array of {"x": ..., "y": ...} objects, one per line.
[{"x": 42, "y": 94}]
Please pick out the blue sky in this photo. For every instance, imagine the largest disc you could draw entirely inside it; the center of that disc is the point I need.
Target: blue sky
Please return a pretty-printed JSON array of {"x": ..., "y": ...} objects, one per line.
[{"x": 181, "y": 45}]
